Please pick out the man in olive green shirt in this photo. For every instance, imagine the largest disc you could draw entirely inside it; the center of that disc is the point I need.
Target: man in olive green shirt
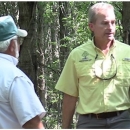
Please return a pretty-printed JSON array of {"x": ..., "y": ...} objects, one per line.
[{"x": 96, "y": 76}]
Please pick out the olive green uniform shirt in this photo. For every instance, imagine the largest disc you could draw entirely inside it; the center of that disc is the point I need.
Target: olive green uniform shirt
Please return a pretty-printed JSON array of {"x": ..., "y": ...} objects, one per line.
[{"x": 79, "y": 78}]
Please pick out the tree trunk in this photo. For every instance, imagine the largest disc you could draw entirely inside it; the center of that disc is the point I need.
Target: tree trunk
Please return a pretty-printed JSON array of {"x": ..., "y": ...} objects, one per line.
[
  {"x": 27, "y": 21},
  {"x": 126, "y": 22},
  {"x": 40, "y": 55},
  {"x": 63, "y": 32}
]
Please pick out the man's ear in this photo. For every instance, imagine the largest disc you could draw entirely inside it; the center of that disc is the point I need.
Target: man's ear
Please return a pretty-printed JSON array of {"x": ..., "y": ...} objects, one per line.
[
  {"x": 11, "y": 46},
  {"x": 90, "y": 26}
]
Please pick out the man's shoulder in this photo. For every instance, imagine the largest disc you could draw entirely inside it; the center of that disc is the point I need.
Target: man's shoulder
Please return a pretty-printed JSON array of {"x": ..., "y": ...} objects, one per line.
[
  {"x": 85, "y": 46},
  {"x": 12, "y": 71},
  {"x": 122, "y": 44}
]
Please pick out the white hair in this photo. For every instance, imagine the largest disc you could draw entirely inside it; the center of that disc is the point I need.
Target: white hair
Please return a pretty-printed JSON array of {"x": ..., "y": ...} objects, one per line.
[
  {"x": 5, "y": 44},
  {"x": 94, "y": 10}
]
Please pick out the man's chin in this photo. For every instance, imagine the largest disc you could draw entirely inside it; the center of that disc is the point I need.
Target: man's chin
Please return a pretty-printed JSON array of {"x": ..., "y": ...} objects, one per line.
[{"x": 110, "y": 38}]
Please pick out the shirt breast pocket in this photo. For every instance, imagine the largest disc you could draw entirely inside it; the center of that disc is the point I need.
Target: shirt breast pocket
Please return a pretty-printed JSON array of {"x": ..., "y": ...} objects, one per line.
[
  {"x": 84, "y": 69},
  {"x": 123, "y": 74}
]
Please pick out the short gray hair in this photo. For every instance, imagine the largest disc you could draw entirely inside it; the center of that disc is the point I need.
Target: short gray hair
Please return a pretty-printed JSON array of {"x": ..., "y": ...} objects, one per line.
[
  {"x": 94, "y": 10},
  {"x": 5, "y": 44}
]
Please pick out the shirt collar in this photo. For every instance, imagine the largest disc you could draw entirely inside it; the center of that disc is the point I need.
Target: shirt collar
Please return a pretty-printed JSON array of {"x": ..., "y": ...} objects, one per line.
[
  {"x": 113, "y": 46},
  {"x": 9, "y": 58}
]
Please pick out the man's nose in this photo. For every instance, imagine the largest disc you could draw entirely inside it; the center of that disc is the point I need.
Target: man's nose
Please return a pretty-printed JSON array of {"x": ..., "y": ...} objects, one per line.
[{"x": 110, "y": 26}]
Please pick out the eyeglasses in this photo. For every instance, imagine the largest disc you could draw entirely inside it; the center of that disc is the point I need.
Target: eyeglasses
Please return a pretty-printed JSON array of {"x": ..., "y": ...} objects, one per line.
[
  {"x": 20, "y": 40},
  {"x": 100, "y": 74}
]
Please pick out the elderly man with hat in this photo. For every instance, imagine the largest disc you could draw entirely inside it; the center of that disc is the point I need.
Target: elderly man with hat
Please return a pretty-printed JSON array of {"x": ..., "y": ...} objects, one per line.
[{"x": 20, "y": 107}]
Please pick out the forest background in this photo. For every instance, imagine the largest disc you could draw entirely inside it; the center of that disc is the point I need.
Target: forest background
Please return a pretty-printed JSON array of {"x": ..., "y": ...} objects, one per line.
[{"x": 54, "y": 29}]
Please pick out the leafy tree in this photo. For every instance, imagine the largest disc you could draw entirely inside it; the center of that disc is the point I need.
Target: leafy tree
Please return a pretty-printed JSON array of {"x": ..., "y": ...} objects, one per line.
[{"x": 54, "y": 29}]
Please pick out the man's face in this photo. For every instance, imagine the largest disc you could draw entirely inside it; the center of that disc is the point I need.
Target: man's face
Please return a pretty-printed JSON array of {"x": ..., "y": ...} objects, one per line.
[{"x": 104, "y": 26}]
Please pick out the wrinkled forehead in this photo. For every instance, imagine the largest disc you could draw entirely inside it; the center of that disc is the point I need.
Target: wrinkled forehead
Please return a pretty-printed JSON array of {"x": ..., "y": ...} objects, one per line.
[{"x": 106, "y": 14}]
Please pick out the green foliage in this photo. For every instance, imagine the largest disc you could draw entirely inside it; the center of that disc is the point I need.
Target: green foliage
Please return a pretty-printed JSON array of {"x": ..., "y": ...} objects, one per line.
[
  {"x": 76, "y": 32},
  {"x": 53, "y": 117}
]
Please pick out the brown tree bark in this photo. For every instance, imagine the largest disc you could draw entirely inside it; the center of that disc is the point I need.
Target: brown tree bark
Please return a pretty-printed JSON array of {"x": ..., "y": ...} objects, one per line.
[
  {"x": 126, "y": 22},
  {"x": 27, "y": 21}
]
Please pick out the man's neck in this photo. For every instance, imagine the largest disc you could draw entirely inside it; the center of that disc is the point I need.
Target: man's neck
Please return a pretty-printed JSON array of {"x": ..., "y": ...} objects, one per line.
[{"x": 103, "y": 46}]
